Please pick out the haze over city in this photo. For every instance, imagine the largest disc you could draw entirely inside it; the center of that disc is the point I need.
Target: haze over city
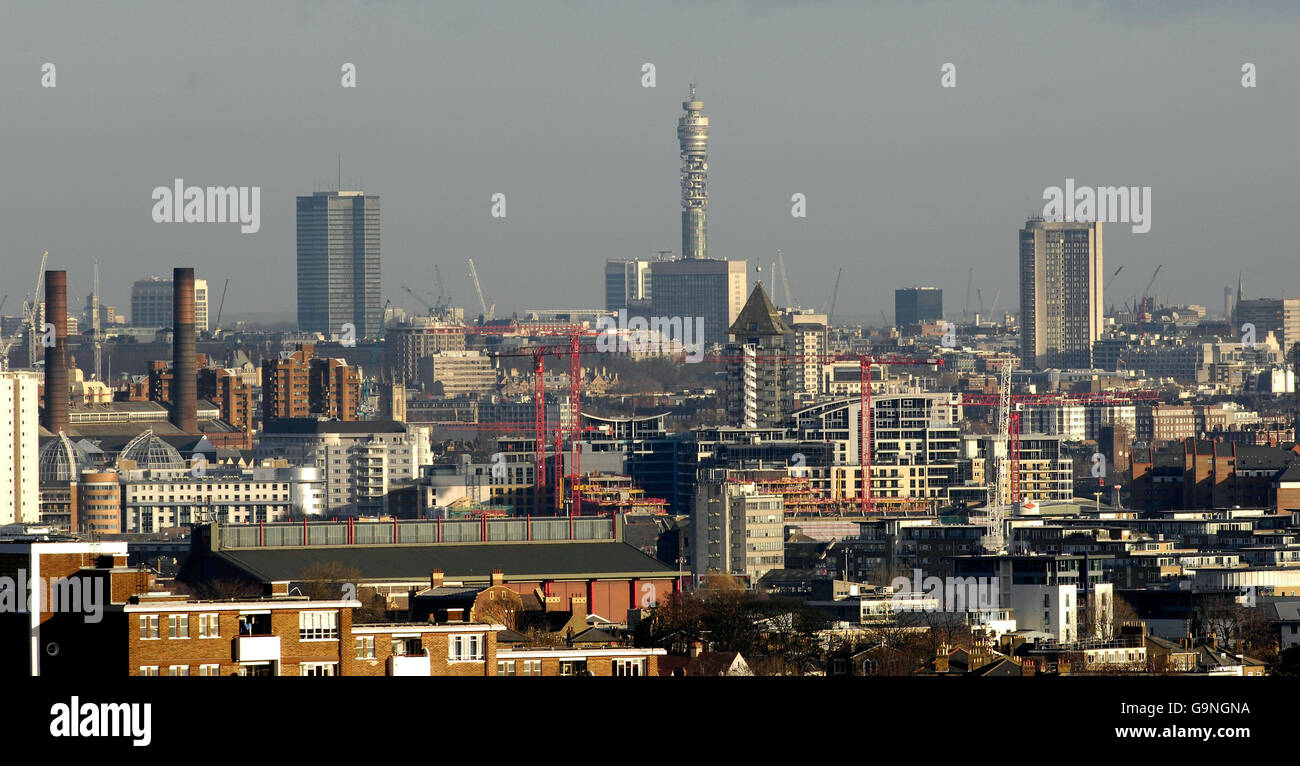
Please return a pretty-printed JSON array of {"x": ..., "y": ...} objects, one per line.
[{"x": 906, "y": 182}]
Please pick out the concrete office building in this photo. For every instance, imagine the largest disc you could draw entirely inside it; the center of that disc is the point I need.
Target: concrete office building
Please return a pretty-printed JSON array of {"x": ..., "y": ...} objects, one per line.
[
  {"x": 736, "y": 529},
  {"x": 1280, "y": 316},
  {"x": 714, "y": 290},
  {"x": 1060, "y": 292},
  {"x": 151, "y": 303},
  {"x": 458, "y": 373},
  {"x": 627, "y": 284},
  {"x": 338, "y": 263},
  {"x": 914, "y": 305}
]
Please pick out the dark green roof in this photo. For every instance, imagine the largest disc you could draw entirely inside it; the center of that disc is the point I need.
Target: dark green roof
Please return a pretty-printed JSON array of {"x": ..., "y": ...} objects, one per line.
[{"x": 459, "y": 562}]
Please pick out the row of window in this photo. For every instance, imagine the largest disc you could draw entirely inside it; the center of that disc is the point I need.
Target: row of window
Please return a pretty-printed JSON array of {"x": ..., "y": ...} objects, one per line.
[
  {"x": 312, "y": 626},
  {"x": 178, "y": 626}
]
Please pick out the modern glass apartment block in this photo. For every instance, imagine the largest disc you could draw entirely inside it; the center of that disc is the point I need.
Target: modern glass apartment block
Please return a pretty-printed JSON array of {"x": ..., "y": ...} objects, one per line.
[
  {"x": 1060, "y": 293},
  {"x": 338, "y": 263}
]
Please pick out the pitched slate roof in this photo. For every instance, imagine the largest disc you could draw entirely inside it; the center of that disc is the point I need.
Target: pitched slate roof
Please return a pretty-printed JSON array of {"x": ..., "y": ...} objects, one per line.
[{"x": 760, "y": 313}]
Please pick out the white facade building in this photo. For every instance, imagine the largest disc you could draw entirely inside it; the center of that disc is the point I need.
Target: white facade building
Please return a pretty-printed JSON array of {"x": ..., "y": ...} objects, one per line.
[{"x": 19, "y": 447}]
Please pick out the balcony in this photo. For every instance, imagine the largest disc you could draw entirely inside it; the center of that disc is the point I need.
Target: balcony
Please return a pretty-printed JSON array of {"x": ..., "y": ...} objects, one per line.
[
  {"x": 408, "y": 665},
  {"x": 257, "y": 649}
]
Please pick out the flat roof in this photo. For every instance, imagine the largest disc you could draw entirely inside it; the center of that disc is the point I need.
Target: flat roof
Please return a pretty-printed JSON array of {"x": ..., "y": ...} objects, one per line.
[{"x": 459, "y": 562}]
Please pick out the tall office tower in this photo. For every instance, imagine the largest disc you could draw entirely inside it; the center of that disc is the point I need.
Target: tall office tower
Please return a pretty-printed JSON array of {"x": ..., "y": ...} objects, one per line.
[
  {"x": 1280, "y": 316},
  {"x": 19, "y": 448},
  {"x": 338, "y": 264},
  {"x": 693, "y": 136},
  {"x": 714, "y": 290},
  {"x": 627, "y": 284},
  {"x": 1060, "y": 292},
  {"x": 914, "y": 305},
  {"x": 759, "y": 373},
  {"x": 151, "y": 303}
]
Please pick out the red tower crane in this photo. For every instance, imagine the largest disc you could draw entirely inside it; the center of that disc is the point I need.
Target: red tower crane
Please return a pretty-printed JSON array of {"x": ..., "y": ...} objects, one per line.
[{"x": 1019, "y": 401}]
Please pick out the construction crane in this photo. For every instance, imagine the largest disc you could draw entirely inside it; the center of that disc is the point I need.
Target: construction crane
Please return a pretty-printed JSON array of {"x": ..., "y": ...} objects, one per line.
[
  {"x": 488, "y": 311},
  {"x": 216, "y": 326},
  {"x": 418, "y": 298},
  {"x": 785, "y": 281},
  {"x": 835, "y": 294},
  {"x": 442, "y": 299},
  {"x": 1146, "y": 304},
  {"x": 965, "y": 311},
  {"x": 95, "y": 325},
  {"x": 865, "y": 419},
  {"x": 1111, "y": 281},
  {"x": 30, "y": 312},
  {"x": 979, "y": 295},
  {"x": 1006, "y": 463}
]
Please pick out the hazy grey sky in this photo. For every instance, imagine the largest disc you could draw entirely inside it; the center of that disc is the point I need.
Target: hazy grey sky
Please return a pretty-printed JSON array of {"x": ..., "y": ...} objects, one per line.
[{"x": 906, "y": 182}]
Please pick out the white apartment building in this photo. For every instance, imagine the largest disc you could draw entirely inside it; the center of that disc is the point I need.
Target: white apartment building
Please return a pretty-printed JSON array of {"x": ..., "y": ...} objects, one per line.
[
  {"x": 160, "y": 499},
  {"x": 19, "y": 447},
  {"x": 359, "y": 461}
]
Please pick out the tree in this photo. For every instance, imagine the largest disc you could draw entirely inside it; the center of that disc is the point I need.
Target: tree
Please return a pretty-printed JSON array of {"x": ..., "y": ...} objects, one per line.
[{"x": 328, "y": 580}]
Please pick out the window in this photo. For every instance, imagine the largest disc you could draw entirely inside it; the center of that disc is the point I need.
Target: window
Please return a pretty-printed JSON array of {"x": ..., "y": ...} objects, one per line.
[
  {"x": 505, "y": 668},
  {"x": 466, "y": 648},
  {"x": 573, "y": 668},
  {"x": 178, "y": 670},
  {"x": 365, "y": 647},
  {"x": 629, "y": 667},
  {"x": 407, "y": 647},
  {"x": 318, "y": 669},
  {"x": 209, "y": 670},
  {"x": 149, "y": 670},
  {"x": 318, "y": 626},
  {"x": 178, "y": 626},
  {"x": 148, "y": 626},
  {"x": 208, "y": 626},
  {"x": 532, "y": 668}
]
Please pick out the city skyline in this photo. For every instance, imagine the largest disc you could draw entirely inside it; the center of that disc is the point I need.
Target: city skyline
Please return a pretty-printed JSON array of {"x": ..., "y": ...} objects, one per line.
[{"x": 865, "y": 206}]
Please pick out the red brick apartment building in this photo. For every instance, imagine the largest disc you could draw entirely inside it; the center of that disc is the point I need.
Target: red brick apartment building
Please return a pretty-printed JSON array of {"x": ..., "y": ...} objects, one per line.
[
  {"x": 1198, "y": 474},
  {"x": 294, "y": 636},
  {"x": 143, "y": 632}
]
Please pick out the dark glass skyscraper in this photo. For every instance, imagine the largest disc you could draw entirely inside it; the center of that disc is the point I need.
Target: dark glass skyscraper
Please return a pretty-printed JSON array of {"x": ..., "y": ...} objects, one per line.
[
  {"x": 913, "y": 305},
  {"x": 338, "y": 263}
]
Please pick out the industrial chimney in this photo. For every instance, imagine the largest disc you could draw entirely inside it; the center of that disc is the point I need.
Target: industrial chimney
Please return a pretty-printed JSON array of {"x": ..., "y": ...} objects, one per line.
[
  {"x": 184, "y": 367},
  {"x": 57, "y": 391}
]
